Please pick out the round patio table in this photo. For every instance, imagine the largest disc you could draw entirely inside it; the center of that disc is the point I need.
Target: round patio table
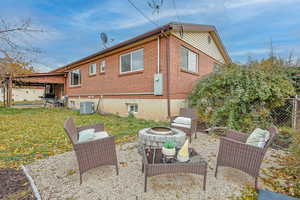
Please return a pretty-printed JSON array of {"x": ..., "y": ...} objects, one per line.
[{"x": 148, "y": 139}]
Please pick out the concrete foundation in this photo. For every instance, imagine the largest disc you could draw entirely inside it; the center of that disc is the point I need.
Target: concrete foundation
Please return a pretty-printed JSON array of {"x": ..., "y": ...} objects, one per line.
[{"x": 151, "y": 109}]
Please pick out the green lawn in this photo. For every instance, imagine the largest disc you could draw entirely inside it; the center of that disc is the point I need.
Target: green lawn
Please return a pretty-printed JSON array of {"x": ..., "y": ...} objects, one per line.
[{"x": 34, "y": 133}]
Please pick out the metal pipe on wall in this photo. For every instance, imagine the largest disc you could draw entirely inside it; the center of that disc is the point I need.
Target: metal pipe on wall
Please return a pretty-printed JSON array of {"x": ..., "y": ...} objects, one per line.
[
  {"x": 158, "y": 56},
  {"x": 168, "y": 75}
]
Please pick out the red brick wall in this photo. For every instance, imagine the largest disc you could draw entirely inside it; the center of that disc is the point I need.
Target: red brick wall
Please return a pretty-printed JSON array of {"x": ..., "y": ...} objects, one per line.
[
  {"x": 182, "y": 82},
  {"x": 113, "y": 82}
]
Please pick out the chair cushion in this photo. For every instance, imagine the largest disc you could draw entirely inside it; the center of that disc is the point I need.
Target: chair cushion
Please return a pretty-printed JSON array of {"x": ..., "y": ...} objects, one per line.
[
  {"x": 90, "y": 134},
  {"x": 86, "y": 135},
  {"x": 181, "y": 125},
  {"x": 183, "y": 120},
  {"x": 258, "y": 138},
  {"x": 99, "y": 135}
]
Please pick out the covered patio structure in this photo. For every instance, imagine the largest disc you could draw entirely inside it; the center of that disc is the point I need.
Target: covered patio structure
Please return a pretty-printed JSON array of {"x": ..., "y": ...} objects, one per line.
[{"x": 54, "y": 84}]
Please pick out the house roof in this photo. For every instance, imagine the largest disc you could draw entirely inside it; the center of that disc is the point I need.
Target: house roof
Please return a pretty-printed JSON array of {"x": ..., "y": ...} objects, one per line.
[
  {"x": 40, "y": 74},
  {"x": 163, "y": 29},
  {"x": 39, "y": 78}
]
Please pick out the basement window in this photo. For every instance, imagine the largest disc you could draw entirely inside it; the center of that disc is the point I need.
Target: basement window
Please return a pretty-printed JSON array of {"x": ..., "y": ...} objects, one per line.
[
  {"x": 75, "y": 77},
  {"x": 132, "y": 108},
  {"x": 72, "y": 104}
]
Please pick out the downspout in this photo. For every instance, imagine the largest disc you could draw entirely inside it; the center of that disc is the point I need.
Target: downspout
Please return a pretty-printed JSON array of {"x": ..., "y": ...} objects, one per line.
[
  {"x": 168, "y": 75},
  {"x": 158, "y": 56}
]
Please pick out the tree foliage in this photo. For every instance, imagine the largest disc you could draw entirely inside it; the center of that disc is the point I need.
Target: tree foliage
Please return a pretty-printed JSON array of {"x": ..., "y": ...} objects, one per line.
[
  {"x": 15, "y": 50},
  {"x": 241, "y": 97}
]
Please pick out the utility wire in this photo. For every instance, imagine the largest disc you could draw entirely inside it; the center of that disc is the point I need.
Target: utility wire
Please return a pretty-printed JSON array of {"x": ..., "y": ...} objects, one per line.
[
  {"x": 177, "y": 17},
  {"x": 175, "y": 8},
  {"x": 142, "y": 13}
]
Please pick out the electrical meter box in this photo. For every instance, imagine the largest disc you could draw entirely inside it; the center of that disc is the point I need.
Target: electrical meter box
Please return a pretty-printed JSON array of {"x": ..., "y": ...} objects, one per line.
[{"x": 158, "y": 84}]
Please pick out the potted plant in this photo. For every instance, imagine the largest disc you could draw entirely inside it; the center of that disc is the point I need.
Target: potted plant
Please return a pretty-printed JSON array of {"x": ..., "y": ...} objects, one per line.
[{"x": 168, "y": 149}]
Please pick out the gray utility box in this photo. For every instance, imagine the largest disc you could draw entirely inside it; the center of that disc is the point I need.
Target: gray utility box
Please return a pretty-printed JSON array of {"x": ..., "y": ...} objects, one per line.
[
  {"x": 158, "y": 84},
  {"x": 86, "y": 107}
]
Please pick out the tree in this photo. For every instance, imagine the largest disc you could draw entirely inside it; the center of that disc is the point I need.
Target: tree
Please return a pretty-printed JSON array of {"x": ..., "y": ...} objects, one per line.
[
  {"x": 14, "y": 55},
  {"x": 241, "y": 97}
]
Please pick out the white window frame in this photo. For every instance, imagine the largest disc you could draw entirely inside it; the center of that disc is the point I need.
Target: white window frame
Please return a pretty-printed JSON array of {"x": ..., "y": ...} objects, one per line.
[
  {"x": 102, "y": 64},
  {"x": 130, "y": 53},
  {"x": 94, "y": 65},
  {"x": 70, "y": 80},
  {"x": 197, "y": 60},
  {"x": 136, "y": 108}
]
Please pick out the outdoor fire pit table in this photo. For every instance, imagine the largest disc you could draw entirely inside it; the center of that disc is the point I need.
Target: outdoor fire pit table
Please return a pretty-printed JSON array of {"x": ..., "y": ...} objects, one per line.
[
  {"x": 196, "y": 165},
  {"x": 155, "y": 137}
]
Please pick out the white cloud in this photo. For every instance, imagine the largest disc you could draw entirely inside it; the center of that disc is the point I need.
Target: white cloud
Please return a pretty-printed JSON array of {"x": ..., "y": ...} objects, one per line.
[
  {"x": 246, "y": 3},
  {"x": 127, "y": 17},
  {"x": 258, "y": 51}
]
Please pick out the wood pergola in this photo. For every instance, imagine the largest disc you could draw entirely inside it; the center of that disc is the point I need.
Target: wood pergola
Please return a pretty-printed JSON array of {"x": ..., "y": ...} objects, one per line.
[{"x": 34, "y": 79}]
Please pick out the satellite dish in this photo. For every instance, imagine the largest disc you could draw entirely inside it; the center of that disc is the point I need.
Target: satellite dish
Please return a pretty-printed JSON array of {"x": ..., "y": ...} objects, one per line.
[{"x": 104, "y": 38}]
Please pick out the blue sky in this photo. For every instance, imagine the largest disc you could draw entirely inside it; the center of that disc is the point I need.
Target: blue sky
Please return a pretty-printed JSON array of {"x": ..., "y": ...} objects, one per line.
[{"x": 73, "y": 26}]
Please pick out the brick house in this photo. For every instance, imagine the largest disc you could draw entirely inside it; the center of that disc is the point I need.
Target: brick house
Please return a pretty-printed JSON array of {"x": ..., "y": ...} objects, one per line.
[{"x": 149, "y": 75}]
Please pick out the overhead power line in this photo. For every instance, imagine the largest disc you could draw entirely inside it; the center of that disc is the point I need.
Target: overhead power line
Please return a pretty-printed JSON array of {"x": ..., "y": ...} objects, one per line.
[
  {"x": 142, "y": 13},
  {"x": 175, "y": 8}
]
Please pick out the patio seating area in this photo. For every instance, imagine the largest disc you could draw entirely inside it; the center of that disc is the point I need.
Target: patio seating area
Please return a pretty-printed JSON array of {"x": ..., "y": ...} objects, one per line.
[{"x": 58, "y": 177}]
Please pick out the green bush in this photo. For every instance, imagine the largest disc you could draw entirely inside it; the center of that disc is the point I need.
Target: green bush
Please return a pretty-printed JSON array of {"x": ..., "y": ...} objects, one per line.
[{"x": 241, "y": 97}]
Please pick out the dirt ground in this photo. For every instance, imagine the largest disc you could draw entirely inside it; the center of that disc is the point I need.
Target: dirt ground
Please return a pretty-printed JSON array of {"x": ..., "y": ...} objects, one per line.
[{"x": 14, "y": 185}]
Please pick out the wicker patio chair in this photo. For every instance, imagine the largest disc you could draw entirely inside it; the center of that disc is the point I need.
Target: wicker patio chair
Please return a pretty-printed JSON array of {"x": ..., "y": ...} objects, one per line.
[
  {"x": 233, "y": 152},
  {"x": 94, "y": 153},
  {"x": 188, "y": 113}
]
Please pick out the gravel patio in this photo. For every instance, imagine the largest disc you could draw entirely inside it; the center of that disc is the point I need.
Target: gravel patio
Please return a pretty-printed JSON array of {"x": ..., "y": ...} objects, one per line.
[{"x": 57, "y": 177}]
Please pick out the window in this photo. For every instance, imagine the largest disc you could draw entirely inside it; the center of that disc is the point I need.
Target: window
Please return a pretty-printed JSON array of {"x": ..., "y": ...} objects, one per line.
[
  {"x": 75, "y": 77},
  {"x": 72, "y": 104},
  {"x": 133, "y": 61},
  {"x": 189, "y": 60},
  {"x": 102, "y": 66},
  {"x": 92, "y": 69},
  {"x": 217, "y": 67},
  {"x": 132, "y": 108}
]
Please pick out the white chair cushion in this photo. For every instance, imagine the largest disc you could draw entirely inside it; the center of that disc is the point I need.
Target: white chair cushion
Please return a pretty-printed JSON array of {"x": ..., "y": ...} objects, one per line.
[
  {"x": 90, "y": 134},
  {"x": 258, "y": 138},
  {"x": 99, "y": 135},
  {"x": 183, "y": 120},
  {"x": 181, "y": 125},
  {"x": 86, "y": 135}
]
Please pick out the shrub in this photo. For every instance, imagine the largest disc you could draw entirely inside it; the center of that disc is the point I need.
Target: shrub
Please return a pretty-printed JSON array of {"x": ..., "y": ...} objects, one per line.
[{"x": 240, "y": 97}]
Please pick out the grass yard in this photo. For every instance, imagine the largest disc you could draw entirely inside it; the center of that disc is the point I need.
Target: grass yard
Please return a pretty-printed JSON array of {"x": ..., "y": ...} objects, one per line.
[{"x": 34, "y": 133}]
